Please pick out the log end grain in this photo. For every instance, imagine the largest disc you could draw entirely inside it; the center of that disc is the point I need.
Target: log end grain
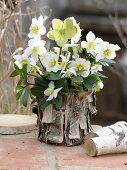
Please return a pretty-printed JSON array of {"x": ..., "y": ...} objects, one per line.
[{"x": 90, "y": 148}]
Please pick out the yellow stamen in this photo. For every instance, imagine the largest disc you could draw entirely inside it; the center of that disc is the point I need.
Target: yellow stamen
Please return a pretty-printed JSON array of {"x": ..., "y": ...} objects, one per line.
[
  {"x": 63, "y": 64},
  {"x": 50, "y": 90},
  {"x": 34, "y": 29},
  {"x": 52, "y": 62},
  {"x": 68, "y": 74},
  {"x": 107, "y": 52},
  {"x": 34, "y": 68},
  {"x": 91, "y": 45},
  {"x": 35, "y": 49},
  {"x": 24, "y": 61},
  {"x": 80, "y": 67}
]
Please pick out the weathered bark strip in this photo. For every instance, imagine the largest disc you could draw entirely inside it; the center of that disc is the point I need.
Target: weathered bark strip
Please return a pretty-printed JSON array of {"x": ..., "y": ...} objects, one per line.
[
  {"x": 118, "y": 127},
  {"x": 69, "y": 124},
  {"x": 115, "y": 143}
]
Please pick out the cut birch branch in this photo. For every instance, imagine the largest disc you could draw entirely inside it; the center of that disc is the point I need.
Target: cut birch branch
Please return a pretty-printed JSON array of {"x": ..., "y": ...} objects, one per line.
[
  {"x": 115, "y": 143},
  {"x": 118, "y": 127}
]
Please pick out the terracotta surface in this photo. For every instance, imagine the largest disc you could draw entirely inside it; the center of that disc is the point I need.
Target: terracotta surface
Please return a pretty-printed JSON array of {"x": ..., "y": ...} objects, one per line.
[{"x": 24, "y": 151}]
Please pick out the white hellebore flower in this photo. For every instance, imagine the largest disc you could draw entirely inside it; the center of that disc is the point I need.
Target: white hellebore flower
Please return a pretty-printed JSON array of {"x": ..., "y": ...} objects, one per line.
[
  {"x": 95, "y": 68},
  {"x": 107, "y": 50},
  {"x": 82, "y": 66},
  {"x": 64, "y": 61},
  {"x": 69, "y": 72},
  {"x": 21, "y": 60},
  {"x": 35, "y": 49},
  {"x": 51, "y": 91},
  {"x": 77, "y": 36},
  {"x": 37, "y": 28},
  {"x": 75, "y": 49},
  {"x": 91, "y": 43},
  {"x": 34, "y": 66},
  {"x": 50, "y": 62},
  {"x": 100, "y": 85}
]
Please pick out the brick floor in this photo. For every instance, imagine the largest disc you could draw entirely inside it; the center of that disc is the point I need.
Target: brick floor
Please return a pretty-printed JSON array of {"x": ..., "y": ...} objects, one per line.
[{"x": 23, "y": 152}]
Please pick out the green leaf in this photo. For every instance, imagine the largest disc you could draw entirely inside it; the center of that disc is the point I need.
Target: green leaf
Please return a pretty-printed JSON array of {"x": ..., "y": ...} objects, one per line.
[
  {"x": 37, "y": 91},
  {"x": 59, "y": 83},
  {"x": 106, "y": 60},
  {"x": 74, "y": 89},
  {"x": 24, "y": 71},
  {"x": 19, "y": 87},
  {"x": 90, "y": 81},
  {"x": 39, "y": 81},
  {"x": 17, "y": 69},
  {"x": 58, "y": 101},
  {"x": 77, "y": 79},
  {"x": 54, "y": 76},
  {"x": 14, "y": 73},
  {"x": 79, "y": 85},
  {"x": 43, "y": 103},
  {"x": 25, "y": 96},
  {"x": 70, "y": 49},
  {"x": 19, "y": 94},
  {"x": 65, "y": 86},
  {"x": 31, "y": 96},
  {"x": 19, "y": 82},
  {"x": 100, "y": 75}
]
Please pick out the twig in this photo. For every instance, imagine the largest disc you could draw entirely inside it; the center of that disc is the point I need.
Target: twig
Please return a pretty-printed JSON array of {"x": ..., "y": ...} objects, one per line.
[
  {"x": 31, "y": 75},
  {"x": 31, "y": 84}
]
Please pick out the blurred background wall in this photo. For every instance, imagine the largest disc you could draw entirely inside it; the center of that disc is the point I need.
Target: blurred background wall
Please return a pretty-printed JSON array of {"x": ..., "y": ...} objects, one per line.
[{"x": 107, "y": 19}]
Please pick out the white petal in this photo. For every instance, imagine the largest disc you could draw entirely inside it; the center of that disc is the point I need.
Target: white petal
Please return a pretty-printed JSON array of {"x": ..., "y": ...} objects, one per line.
[
  {"x": 32, "y": 62},
  {"x": 18, "y": 64},
  {"x": 42, "y": 30},
  {"x": 51, "y": 85},
  {"x": 27, "y": 51},
  {"x": 31, "y": 43},
  {"x": 117, "y": 47},
  {"x": 100, "y": 85},
  {"x": 83, "y": 44},
  {"x": 46, "y": 92},
  {"x": 34, "y": 21},
  {"x": 56, "y": 92},
  {"x": 90, "y": 36},
  {"x": 40, "y": 19},
  {"x": 98, "y": 40},
  {"x": 17, "y": 57},
  {"x": 50, "y": 97},
  {"x": 85, "y": 73},
  {"x": 34, "y": 57},
  {"x": 30, "y": 35}
]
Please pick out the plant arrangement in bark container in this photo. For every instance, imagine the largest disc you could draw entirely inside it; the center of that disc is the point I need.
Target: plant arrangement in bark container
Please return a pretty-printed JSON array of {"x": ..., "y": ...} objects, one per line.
[{"x": 66, "y": 78}]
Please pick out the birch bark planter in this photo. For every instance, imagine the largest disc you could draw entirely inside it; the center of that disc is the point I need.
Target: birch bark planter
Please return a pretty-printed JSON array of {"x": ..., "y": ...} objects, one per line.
[{"x": 69, "y": 124}]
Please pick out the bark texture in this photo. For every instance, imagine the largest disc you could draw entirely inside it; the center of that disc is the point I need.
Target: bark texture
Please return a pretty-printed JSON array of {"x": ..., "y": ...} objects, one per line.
[
  {"x": 69, "y": 124},
  {"x": 115, "y": 143},
  {"x": 110, "y": 139},
  {"x": 118, "y": 127}
]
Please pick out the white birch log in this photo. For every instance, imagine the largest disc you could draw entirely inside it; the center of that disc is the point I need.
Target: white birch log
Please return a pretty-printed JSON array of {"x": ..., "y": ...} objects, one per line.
[
  {"x": 47, "y": 114},
  {"x": 118, "y": 127},
  {"x": 115, "y": 143}
]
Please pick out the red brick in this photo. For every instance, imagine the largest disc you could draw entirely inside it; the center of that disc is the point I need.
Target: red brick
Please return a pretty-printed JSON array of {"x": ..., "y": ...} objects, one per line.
[
  {"x": 80, "y": 159},
  {"x": 21, "y": 154}
]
